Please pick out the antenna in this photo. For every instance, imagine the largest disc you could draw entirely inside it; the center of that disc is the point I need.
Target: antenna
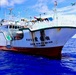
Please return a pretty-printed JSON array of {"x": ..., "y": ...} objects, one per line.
[
  {"x": 30, "y": 18},
  {"x": 40, "y": 15},
  {"x": 11, "y": 17},
  {"x": 10, "y": 10},
  {"x": 55, "y": 9},
  {"x": 0, "y": 5},
  {"x": 44, "y": 13}
]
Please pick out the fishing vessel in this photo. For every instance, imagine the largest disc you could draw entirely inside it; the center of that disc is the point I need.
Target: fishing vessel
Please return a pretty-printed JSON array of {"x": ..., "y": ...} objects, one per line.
[{"x": 44, "y": 36}]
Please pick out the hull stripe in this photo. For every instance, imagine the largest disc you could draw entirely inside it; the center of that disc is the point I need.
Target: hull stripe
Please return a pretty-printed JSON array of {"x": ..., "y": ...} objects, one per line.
[{"x": 51, "y": 52}]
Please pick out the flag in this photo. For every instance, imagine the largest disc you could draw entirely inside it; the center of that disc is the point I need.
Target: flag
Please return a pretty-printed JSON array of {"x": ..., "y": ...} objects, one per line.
[
  {"x": 73, "y": 4},
  {"x": 55, "y": 3},
  {"x": 35, "y": 17}
]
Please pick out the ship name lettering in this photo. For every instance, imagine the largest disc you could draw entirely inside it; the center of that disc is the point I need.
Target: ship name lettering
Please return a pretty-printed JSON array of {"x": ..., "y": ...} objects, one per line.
[
  {"x": 41, "y": 38},
  {"x": 40, "y": 43}
]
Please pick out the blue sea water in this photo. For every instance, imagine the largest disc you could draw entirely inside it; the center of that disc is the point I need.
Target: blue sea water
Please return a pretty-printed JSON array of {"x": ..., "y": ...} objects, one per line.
[{"x": 12, "y": 63}]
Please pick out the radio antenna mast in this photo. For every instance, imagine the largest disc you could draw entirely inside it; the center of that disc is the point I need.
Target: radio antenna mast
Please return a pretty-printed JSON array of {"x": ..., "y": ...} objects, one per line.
[
  {"x": 10, "y": 11},
  {"x": 55, "y": 9}
]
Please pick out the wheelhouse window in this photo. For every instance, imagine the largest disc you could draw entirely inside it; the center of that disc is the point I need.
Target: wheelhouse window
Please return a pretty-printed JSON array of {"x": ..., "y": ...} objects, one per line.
[
  {"x": 14, "y": 27},
  {"x": 19, "y": 35}
]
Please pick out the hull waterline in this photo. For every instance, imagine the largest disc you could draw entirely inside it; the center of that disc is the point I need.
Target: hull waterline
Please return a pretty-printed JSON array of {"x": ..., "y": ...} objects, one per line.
[{"x": 51, "y": 52}]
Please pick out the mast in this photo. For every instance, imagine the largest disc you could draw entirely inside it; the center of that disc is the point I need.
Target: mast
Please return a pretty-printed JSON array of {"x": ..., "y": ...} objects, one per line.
[
  {"x": 55, "y": 10},
  {"x": 10, "y": 13},
  {"x": 10, "y": 10},
  {"x": 0, "y": 9},
  {"x": 0, "y": 6}
]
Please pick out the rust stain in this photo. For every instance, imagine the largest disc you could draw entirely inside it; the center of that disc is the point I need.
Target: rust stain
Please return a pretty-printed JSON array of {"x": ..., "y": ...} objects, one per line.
[{"x": 58, "y": 29}]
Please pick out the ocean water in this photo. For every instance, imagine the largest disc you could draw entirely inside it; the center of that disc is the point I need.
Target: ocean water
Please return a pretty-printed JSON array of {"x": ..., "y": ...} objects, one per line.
[{"x": 12, "y": 63}]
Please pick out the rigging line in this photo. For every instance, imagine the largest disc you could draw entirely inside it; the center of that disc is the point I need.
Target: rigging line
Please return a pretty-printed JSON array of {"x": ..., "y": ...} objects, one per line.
[{"x": 0, "y": 5}]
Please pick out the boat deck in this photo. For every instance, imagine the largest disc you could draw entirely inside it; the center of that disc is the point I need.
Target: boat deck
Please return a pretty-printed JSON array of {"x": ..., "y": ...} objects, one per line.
[{"x": 52, "y": 24}]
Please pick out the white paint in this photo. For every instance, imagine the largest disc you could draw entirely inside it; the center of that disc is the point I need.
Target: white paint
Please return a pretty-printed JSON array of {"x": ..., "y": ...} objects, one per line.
[{"x": 74, "y": 36}]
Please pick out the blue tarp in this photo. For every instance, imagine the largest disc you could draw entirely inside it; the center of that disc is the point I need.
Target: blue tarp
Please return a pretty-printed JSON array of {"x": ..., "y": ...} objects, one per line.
[{"x": 50, "y": 18}]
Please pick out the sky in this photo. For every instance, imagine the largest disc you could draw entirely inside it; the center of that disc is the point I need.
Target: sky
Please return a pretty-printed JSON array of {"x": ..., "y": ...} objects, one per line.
[{"x": 31, "y": 8}]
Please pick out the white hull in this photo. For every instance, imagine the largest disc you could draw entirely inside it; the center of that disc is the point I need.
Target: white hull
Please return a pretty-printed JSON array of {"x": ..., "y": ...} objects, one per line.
[
  {"x": 52, "y": 37},
  {"x": 44, "y": 38}
]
